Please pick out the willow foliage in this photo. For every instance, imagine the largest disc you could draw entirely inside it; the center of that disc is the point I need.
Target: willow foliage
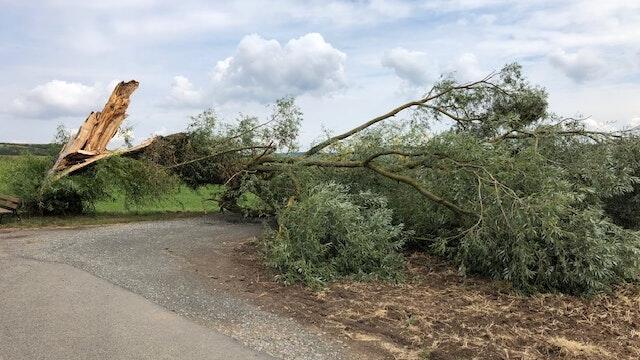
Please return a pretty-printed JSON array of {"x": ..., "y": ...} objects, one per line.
[
  {"x": 504, "y": 188},
  {"x": 332, "y": 233}
]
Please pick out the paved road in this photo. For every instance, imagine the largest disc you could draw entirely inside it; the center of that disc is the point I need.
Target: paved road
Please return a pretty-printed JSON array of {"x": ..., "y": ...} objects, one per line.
[
  {"x": 126, "y": 292},
  {"x": 55, "y": 311}
]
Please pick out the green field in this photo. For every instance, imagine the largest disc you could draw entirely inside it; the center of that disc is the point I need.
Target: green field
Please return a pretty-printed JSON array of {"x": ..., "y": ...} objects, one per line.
[
  {"x": 5, "y": 165},
  {"x": 33, "y": 149},
  {"x": 185, "y": 201}
]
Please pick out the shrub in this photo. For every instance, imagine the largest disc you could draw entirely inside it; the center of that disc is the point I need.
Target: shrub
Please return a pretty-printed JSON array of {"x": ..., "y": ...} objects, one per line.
[
  {"x": 70, "y": 195},
  {"x": 331, "y": 233},
  {"x": 139, "y": 181}
]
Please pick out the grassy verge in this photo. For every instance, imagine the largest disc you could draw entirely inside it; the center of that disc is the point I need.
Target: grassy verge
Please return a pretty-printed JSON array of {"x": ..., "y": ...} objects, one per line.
[
  {"x": 186, "y": 202},
  {"x": 85, "y": 220}
]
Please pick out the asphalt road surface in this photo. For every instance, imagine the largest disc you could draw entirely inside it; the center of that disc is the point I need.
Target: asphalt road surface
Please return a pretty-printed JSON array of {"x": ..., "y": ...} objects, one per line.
[{"x": 125, "y": 292}]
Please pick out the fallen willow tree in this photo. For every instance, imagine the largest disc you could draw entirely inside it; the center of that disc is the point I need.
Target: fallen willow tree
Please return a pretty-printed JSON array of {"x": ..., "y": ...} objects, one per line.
[{"x": 480, "y": 173}]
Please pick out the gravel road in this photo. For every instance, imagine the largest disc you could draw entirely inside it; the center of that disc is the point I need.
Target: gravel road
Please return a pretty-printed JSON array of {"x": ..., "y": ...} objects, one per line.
[{"x": 124, "y": 291}]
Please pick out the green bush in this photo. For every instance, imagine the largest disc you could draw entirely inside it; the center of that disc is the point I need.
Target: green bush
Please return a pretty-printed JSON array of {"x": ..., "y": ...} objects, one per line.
[
  {"x": 71, "y": 195},
  {"x": 331, "y": 233},
  {"x": 139, "y": 181}
]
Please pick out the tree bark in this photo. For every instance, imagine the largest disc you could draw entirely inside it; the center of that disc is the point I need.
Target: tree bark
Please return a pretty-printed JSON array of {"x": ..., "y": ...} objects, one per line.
[{"x": 89, "y": 144}]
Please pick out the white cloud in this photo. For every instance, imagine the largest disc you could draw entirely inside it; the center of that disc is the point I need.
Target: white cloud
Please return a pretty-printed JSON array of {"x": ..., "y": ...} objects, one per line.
[
  {"x": 263, "y": 70},
  {"x": 176, "y": 23},
  {"x": 163, "y": 131},
  {"x": 417, "y": 70},
  {"x": 78, "y": 40},
  {"x": 619, "y": 109},
  {"x": 467, "y": 68},
  {"x": 112, "y": 4},
  {"x": 58, "y": 98},
  {"x": 183, "y": 93},
  {"x": 460, "y": 5},
  {"x": 341, "y": 13},
  {"x": 579, "y": 66},
  {"x": 390, "y": 8},
  {"x": 411, "y": 66}
]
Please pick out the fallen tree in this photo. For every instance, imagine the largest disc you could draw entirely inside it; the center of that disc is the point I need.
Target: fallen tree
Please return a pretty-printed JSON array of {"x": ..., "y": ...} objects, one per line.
[
  {"x": 504, "y": 188},
  {"x": 89, "y": 144}
]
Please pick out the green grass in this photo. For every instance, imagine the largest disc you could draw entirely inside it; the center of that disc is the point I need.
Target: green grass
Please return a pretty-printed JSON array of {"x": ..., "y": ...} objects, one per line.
[
  {"x": 5, "y": 167},
  {"x": 186, "y": 200},
  {"x": 33, "y": 149}
]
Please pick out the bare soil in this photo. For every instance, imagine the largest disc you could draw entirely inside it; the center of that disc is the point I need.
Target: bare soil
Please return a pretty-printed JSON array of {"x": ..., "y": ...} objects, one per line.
[{"x": 436, "y": 313}]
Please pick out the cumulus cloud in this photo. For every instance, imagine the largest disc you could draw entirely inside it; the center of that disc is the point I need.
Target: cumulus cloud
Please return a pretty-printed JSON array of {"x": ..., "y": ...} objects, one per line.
[
  {"x": 58, "y": 98},
  {"x": 183, "y": 93},
  {"x": 411, "y": 66},
  {"x": 416, "y": 70},
  {"x": 263, "y": 70},
  {"x": 467, "y": 68},
  {"x": 579, "y": 66}
]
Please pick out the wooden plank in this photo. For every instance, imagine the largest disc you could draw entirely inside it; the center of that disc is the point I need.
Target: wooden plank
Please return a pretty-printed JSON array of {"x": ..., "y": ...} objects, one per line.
[
  {"x": 5, "y": 211},
  {"x": 12, "y": 199},
  {"x": 8, "y": 205}
]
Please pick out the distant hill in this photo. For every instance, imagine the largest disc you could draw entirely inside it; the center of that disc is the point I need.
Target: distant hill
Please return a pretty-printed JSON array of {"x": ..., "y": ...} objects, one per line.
[{"x": 22, "y": 149}]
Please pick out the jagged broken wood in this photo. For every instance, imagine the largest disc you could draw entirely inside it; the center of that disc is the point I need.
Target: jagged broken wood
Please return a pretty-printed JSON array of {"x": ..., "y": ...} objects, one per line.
[{"x": 90, "y": 142}]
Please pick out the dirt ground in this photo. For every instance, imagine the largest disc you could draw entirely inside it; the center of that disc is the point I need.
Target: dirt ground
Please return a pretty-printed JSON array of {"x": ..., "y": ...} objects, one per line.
[{"x": 437, "y": 314}]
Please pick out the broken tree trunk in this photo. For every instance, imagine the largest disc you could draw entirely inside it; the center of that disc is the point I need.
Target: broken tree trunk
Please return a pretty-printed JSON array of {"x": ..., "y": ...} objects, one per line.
[{"x": 90, "y": 142}]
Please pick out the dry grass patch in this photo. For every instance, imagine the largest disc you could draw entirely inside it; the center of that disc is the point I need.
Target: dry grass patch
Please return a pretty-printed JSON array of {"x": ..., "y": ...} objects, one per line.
[
  {"x": 438, "y": 314},
  {"x": 571, "y": 348}
]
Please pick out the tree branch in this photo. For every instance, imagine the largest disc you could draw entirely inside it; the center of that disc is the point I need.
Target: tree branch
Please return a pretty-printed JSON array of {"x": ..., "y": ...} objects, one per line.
[
  {"x": 429, "y": 195},
  {"x": 315, "y": 149},
  {"x": 367, "y": 164},
  {"x": 218, "y": 154}
]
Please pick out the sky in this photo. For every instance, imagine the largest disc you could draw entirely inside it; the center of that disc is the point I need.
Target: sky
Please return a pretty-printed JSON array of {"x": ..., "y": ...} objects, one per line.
[{"x": 344, "y": 61}]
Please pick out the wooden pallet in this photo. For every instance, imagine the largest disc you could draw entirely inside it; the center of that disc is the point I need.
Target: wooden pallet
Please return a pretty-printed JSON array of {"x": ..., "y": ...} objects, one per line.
[{"x": 9, "y": 205}]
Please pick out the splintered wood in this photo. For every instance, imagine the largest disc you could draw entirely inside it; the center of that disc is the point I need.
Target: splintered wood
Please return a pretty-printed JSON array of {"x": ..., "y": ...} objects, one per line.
[{"x": 90, "y": 142}]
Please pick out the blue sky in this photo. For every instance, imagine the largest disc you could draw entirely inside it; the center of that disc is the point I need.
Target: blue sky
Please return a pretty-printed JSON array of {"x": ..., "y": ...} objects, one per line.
[{"x": 345, "y": 61}]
